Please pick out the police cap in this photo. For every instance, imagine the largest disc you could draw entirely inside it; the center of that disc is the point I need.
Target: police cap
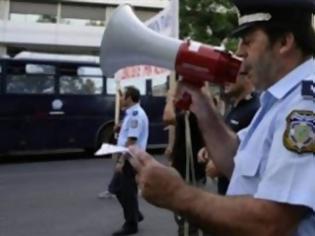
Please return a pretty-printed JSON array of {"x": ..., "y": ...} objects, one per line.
[{"x": 278, "y": 12}]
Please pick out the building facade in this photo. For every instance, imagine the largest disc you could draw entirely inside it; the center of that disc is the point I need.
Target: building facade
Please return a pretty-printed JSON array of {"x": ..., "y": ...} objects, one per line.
[{"x": 62, "y": 26}]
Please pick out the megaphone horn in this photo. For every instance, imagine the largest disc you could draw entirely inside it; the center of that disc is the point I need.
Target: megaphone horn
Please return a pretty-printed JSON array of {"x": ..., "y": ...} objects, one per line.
[{"x": 127, "y": 41}]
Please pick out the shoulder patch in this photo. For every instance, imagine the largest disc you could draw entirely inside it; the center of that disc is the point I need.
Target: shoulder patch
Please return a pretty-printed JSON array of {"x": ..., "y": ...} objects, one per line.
[
  {"x": 135, "y": 113},
  {"x": 299, "y": 135},
  {"x": 308, "y": 89},
  {"x": 134, "y": 124}
]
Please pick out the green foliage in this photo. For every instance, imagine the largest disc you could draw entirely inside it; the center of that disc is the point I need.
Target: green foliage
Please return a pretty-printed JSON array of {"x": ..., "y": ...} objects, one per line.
[{"x": 208, "y": 21}]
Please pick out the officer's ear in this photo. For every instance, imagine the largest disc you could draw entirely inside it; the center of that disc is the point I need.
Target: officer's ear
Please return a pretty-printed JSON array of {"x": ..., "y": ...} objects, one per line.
[{"x": 287, "y": 43}]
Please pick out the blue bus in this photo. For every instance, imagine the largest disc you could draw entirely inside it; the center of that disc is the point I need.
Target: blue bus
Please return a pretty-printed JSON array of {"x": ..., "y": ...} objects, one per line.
[{"x": 64, "y": 105}]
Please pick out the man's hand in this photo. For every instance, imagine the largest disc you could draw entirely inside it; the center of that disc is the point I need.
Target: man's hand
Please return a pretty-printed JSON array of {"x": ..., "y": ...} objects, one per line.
[
  {"x": 233, "y": 215},
  {"x": 202, "y": 101},
  {"x": 119, "y": 166},
  {"x": 158, "y": 183},
  {"x": 168, "y": 154},
  {"x": 211, "y": 170},
  {"x": 117, "y": 128}
]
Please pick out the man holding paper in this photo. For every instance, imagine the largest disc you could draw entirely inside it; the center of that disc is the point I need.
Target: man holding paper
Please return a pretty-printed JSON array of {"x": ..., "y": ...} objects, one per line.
[
  {"x": 134, "y": 131},
  {"x": 271, "y": 163}
]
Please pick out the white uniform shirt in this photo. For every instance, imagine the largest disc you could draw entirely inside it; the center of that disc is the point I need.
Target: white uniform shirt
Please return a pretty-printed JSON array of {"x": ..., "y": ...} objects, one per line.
[
  {"x": 265, "y": 168},
  {"x": 135, "y": 125}
]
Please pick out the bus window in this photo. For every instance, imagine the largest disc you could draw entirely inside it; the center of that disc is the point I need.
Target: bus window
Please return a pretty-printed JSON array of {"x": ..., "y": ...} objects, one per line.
[
  {"x": 40, "y": 69},
  {"x": 110, "y": 86},
  {"x": 89, "y": 71},
  {"x": 159, "y": 87},
  {"x": 31, "y": 79},
  {"x": 88, "y": 81}
]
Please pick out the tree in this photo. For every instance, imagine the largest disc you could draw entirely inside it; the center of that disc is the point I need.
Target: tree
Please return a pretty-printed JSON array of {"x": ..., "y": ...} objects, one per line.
[{"x": 208, "y": 21}]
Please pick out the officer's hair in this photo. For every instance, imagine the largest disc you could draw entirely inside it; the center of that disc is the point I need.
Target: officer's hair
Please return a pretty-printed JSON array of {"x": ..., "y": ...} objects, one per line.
[
  {"x": 133, "y": 93},
  {"x": 304, "y": 35}
]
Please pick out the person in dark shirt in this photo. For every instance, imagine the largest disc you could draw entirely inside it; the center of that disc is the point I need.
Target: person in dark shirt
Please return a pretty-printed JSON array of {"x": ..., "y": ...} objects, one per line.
[
  {"x": 242, "y": 103},
  {"x": 177, "y": 150}
]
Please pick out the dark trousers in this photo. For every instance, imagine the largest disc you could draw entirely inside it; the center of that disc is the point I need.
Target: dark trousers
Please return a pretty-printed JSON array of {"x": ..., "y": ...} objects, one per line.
[
  {"x": 114, "y": 184},
  {"x": 125, "y": 187}
]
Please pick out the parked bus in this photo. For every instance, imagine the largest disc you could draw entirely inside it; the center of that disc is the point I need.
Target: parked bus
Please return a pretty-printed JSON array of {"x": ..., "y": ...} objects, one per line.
[{"x": 58, "y": 104}]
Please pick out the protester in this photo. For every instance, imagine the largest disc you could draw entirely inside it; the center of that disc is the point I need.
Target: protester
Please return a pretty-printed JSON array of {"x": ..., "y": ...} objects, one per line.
[{"x": 185, "y": 162}]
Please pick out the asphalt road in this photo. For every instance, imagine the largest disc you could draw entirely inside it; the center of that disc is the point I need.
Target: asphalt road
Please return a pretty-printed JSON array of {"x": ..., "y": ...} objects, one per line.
[{"x": 58, "y": 197}]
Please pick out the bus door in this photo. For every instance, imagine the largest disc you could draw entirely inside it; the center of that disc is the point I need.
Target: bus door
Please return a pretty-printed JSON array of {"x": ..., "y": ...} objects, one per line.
[{"x": 86, "y": 108}]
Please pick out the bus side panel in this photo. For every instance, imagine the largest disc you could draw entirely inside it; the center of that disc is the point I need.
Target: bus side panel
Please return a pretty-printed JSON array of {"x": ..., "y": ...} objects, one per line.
[
  {"x": 25, "y": 122},
  {"x": 30, "y": 122},
  {"x": 83, "y": 117},
  {"x": 154, "y": 107}
]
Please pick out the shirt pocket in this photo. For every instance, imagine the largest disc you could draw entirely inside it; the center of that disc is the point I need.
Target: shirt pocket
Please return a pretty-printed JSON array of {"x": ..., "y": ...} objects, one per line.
[{"x": 248, "y": 163}]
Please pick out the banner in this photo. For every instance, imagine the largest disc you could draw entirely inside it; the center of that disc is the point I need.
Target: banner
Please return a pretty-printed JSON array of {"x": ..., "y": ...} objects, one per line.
[{"x": 165, "y": 23}]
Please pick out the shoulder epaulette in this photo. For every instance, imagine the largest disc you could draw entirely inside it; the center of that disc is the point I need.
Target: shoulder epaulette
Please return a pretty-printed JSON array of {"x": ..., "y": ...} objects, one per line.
[{"x": 308, "y": 89}]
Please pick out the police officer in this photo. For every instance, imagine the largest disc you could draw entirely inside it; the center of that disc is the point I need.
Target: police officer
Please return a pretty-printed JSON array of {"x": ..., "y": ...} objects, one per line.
[
  {"x": 134, "y": 131},
  {"x": 271, "y": 162}
]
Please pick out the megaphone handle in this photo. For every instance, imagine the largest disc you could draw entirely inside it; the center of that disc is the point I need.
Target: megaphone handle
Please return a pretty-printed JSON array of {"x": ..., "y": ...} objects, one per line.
[{"x": 185, "y": 102}]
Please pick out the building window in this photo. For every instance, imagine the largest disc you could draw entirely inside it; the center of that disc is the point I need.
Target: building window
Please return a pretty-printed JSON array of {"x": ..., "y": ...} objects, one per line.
[
  {"x": 144, "y": 14},
  {"x": 82, "y": 15},
  {"x": 32, "y": 18},
  {"x": 159, "y": 86},
  {"x": 31, "y": 12},
  {"x": 81, "y": 22}
]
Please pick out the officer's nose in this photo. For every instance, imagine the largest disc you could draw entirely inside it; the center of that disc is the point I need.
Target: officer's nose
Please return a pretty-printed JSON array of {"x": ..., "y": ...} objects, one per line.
[{"x": 241, "y": 51}]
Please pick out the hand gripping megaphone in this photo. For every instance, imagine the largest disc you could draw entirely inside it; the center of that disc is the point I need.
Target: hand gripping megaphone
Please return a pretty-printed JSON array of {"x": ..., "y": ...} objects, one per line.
[{"x": 127, "y": 41}]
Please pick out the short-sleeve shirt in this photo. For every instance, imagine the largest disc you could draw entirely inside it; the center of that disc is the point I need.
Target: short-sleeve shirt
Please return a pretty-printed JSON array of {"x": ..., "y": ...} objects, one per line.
[
  {"x": 134, "y": 125},
  {"x": 239, "y": 117},
  {"x": 275, "y": 160}
]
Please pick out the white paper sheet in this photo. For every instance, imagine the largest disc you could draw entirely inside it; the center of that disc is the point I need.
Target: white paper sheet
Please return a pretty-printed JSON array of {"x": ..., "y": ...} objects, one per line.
[{"x": 107, "y": 148}]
